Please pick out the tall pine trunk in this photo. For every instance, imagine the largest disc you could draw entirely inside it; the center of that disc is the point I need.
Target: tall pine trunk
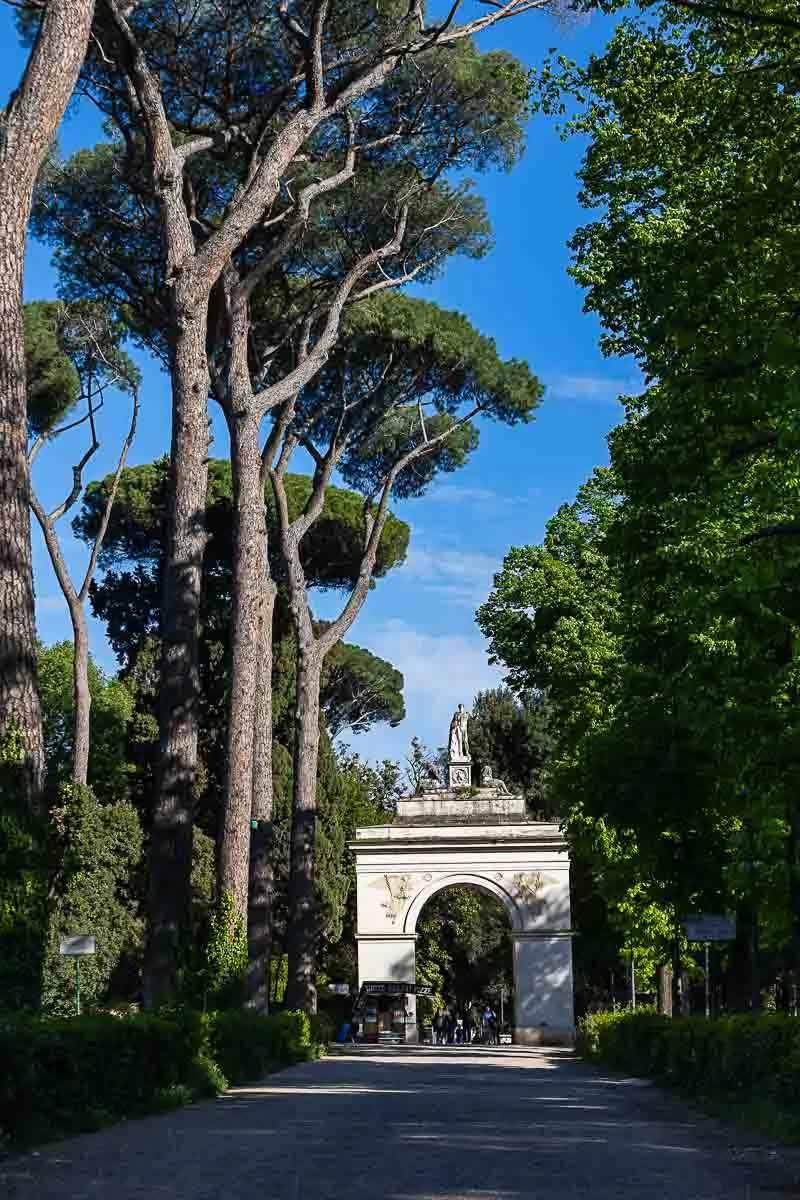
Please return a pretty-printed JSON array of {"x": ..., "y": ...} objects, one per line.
[
  {"x": 303, "y": 925},
  {"x": 29, "y": 125},
  {"x": 19, "y": 697},
  {"x": 259, "y": 917},
  {"x": 247, "y": 636},
  {"x": 81, "y": 696},
  {"x": 171, "y": 836}
]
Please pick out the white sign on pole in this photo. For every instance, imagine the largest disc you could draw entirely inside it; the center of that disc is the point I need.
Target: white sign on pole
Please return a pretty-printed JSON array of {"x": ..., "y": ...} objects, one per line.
[
  {"x": 710, "y": 928},
  {"x": 77, "y": 946}
]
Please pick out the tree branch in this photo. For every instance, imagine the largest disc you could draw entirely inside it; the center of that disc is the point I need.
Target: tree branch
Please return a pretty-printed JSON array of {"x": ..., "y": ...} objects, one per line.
[
  {"x": 101, "y": 532},
  {"x": 303, "y": 206},
  {"x": 784, "y": 529},
  {"x": 293, "y": 383},
  {"x": 707, "y": 8},
  {"x": 339, "y": 627},
  {"x": 77, "y": 471}
]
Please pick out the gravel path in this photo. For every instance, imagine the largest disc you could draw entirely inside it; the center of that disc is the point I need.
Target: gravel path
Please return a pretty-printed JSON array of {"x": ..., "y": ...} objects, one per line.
[{"x": 416, "y": 1124}]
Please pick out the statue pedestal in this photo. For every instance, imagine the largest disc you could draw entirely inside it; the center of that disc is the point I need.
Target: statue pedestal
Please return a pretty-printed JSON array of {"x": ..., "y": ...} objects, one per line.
[{"x": 459, "y": 773}]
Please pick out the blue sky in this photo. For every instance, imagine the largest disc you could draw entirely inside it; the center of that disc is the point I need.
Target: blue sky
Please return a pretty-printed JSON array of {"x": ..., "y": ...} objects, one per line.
[{"x": 421, "y": 617}]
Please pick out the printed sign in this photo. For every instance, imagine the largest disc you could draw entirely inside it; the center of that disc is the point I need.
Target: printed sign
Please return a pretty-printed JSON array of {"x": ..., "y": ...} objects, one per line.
[
  {"x": 393, "y": 987},
  {"x": 78, "y": 946},
  {"x": 710, "y": 928}
]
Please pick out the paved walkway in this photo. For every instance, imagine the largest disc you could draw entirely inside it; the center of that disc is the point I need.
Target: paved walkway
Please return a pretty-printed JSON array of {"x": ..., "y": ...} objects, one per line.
[{"x": 416, "y": 1124}]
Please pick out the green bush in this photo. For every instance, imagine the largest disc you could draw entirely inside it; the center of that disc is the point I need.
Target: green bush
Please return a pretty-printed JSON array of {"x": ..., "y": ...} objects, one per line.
[
  {"x": 247, "y": 1045},
  {"x": 23, "y": 884},
  {"x": 61, "y": 1076},
  {"x": 748, "y": 1062},
  {"x": 323, "y": 1028},
  {"x": 101, "y": 850}
]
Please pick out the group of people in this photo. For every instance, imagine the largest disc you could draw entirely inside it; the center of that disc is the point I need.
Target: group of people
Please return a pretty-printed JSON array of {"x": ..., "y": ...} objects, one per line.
[{"x": 453, "y": 1028}]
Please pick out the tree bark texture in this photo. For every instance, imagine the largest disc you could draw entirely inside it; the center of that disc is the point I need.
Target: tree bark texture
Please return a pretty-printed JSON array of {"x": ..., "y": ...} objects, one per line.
[
  {"x": 30, "y": 123},
  {"x": 259, "y": 917},
  {"x": 302, "y": 932},
  {"x": 81, "y": 697},
  {"x": 171, "y": 836},
  {"x": 247, "y": 638}
]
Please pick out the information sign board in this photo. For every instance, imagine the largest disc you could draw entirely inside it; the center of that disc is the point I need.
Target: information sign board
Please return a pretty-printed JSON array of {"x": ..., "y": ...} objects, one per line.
[
  {"x": 77, "y": 946},
  {"x": 709, "y": 927}
]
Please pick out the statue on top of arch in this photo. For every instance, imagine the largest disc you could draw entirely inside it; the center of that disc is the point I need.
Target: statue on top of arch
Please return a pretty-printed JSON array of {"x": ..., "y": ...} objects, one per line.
[
  {"x": 459, "y": 736},
  {"x": 497, "y": 785}
]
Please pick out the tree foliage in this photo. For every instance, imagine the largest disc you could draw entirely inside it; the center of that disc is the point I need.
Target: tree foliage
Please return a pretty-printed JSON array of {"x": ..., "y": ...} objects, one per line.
[
  {"x": 97, "y": 891},
  {"x": 660, "y": 611},
  {"x": 112, "y": 714},
  {"x": 513, "y": 738}
]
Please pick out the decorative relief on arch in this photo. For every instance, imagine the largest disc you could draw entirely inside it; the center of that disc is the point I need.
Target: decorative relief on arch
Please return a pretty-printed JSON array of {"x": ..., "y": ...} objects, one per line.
[
  {"x": 528, "y": 888},
  {"x": 398, "y": 889}
]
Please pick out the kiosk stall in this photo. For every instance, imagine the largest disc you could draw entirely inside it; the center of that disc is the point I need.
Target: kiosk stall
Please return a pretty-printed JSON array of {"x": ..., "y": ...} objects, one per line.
[{"x": 381, "y": 1010}]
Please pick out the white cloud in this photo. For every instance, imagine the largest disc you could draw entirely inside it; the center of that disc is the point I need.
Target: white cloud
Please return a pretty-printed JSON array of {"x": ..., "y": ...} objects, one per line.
[
  {"x": 439, "y": 672},
  {"x": 464, "y": 577},
  {"x": 591, "y": 389},
  {"x": 486, "y": 500}
]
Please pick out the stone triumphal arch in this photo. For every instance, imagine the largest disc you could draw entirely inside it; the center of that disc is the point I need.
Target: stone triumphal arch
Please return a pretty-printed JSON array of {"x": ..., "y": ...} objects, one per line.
[{"x": 456, "y": 834}]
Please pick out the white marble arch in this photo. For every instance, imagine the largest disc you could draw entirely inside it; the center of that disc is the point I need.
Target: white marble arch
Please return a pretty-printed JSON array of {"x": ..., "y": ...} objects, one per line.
[{"x": 440, "y": 841}]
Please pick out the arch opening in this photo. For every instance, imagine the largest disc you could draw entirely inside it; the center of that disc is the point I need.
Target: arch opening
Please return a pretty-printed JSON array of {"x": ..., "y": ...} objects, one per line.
[
  {"x": 464, "y": 954},
  {"x": 481, "y": 882}
]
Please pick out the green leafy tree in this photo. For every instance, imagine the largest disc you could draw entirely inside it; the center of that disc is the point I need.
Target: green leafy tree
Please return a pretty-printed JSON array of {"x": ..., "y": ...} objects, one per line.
[
  {"x": 689, "y": 269},
  {"x": 96, "y": 892},
  {"x": 376, "y": 108},
  {"x": 112, "y": 717},
  {"x": 513, "y": 738},
  {"x": 359, "y": 689},
  {"x": 24, "y": 878},
  {"x": 359, "y": 686}
]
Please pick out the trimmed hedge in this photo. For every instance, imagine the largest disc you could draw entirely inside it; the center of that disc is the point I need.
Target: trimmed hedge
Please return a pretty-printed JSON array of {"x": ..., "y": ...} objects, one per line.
[
  {"x": 63, "y": 1076},
  {"x": 749, "y": 1062},
  {"x": 247, "y": 1046}
]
